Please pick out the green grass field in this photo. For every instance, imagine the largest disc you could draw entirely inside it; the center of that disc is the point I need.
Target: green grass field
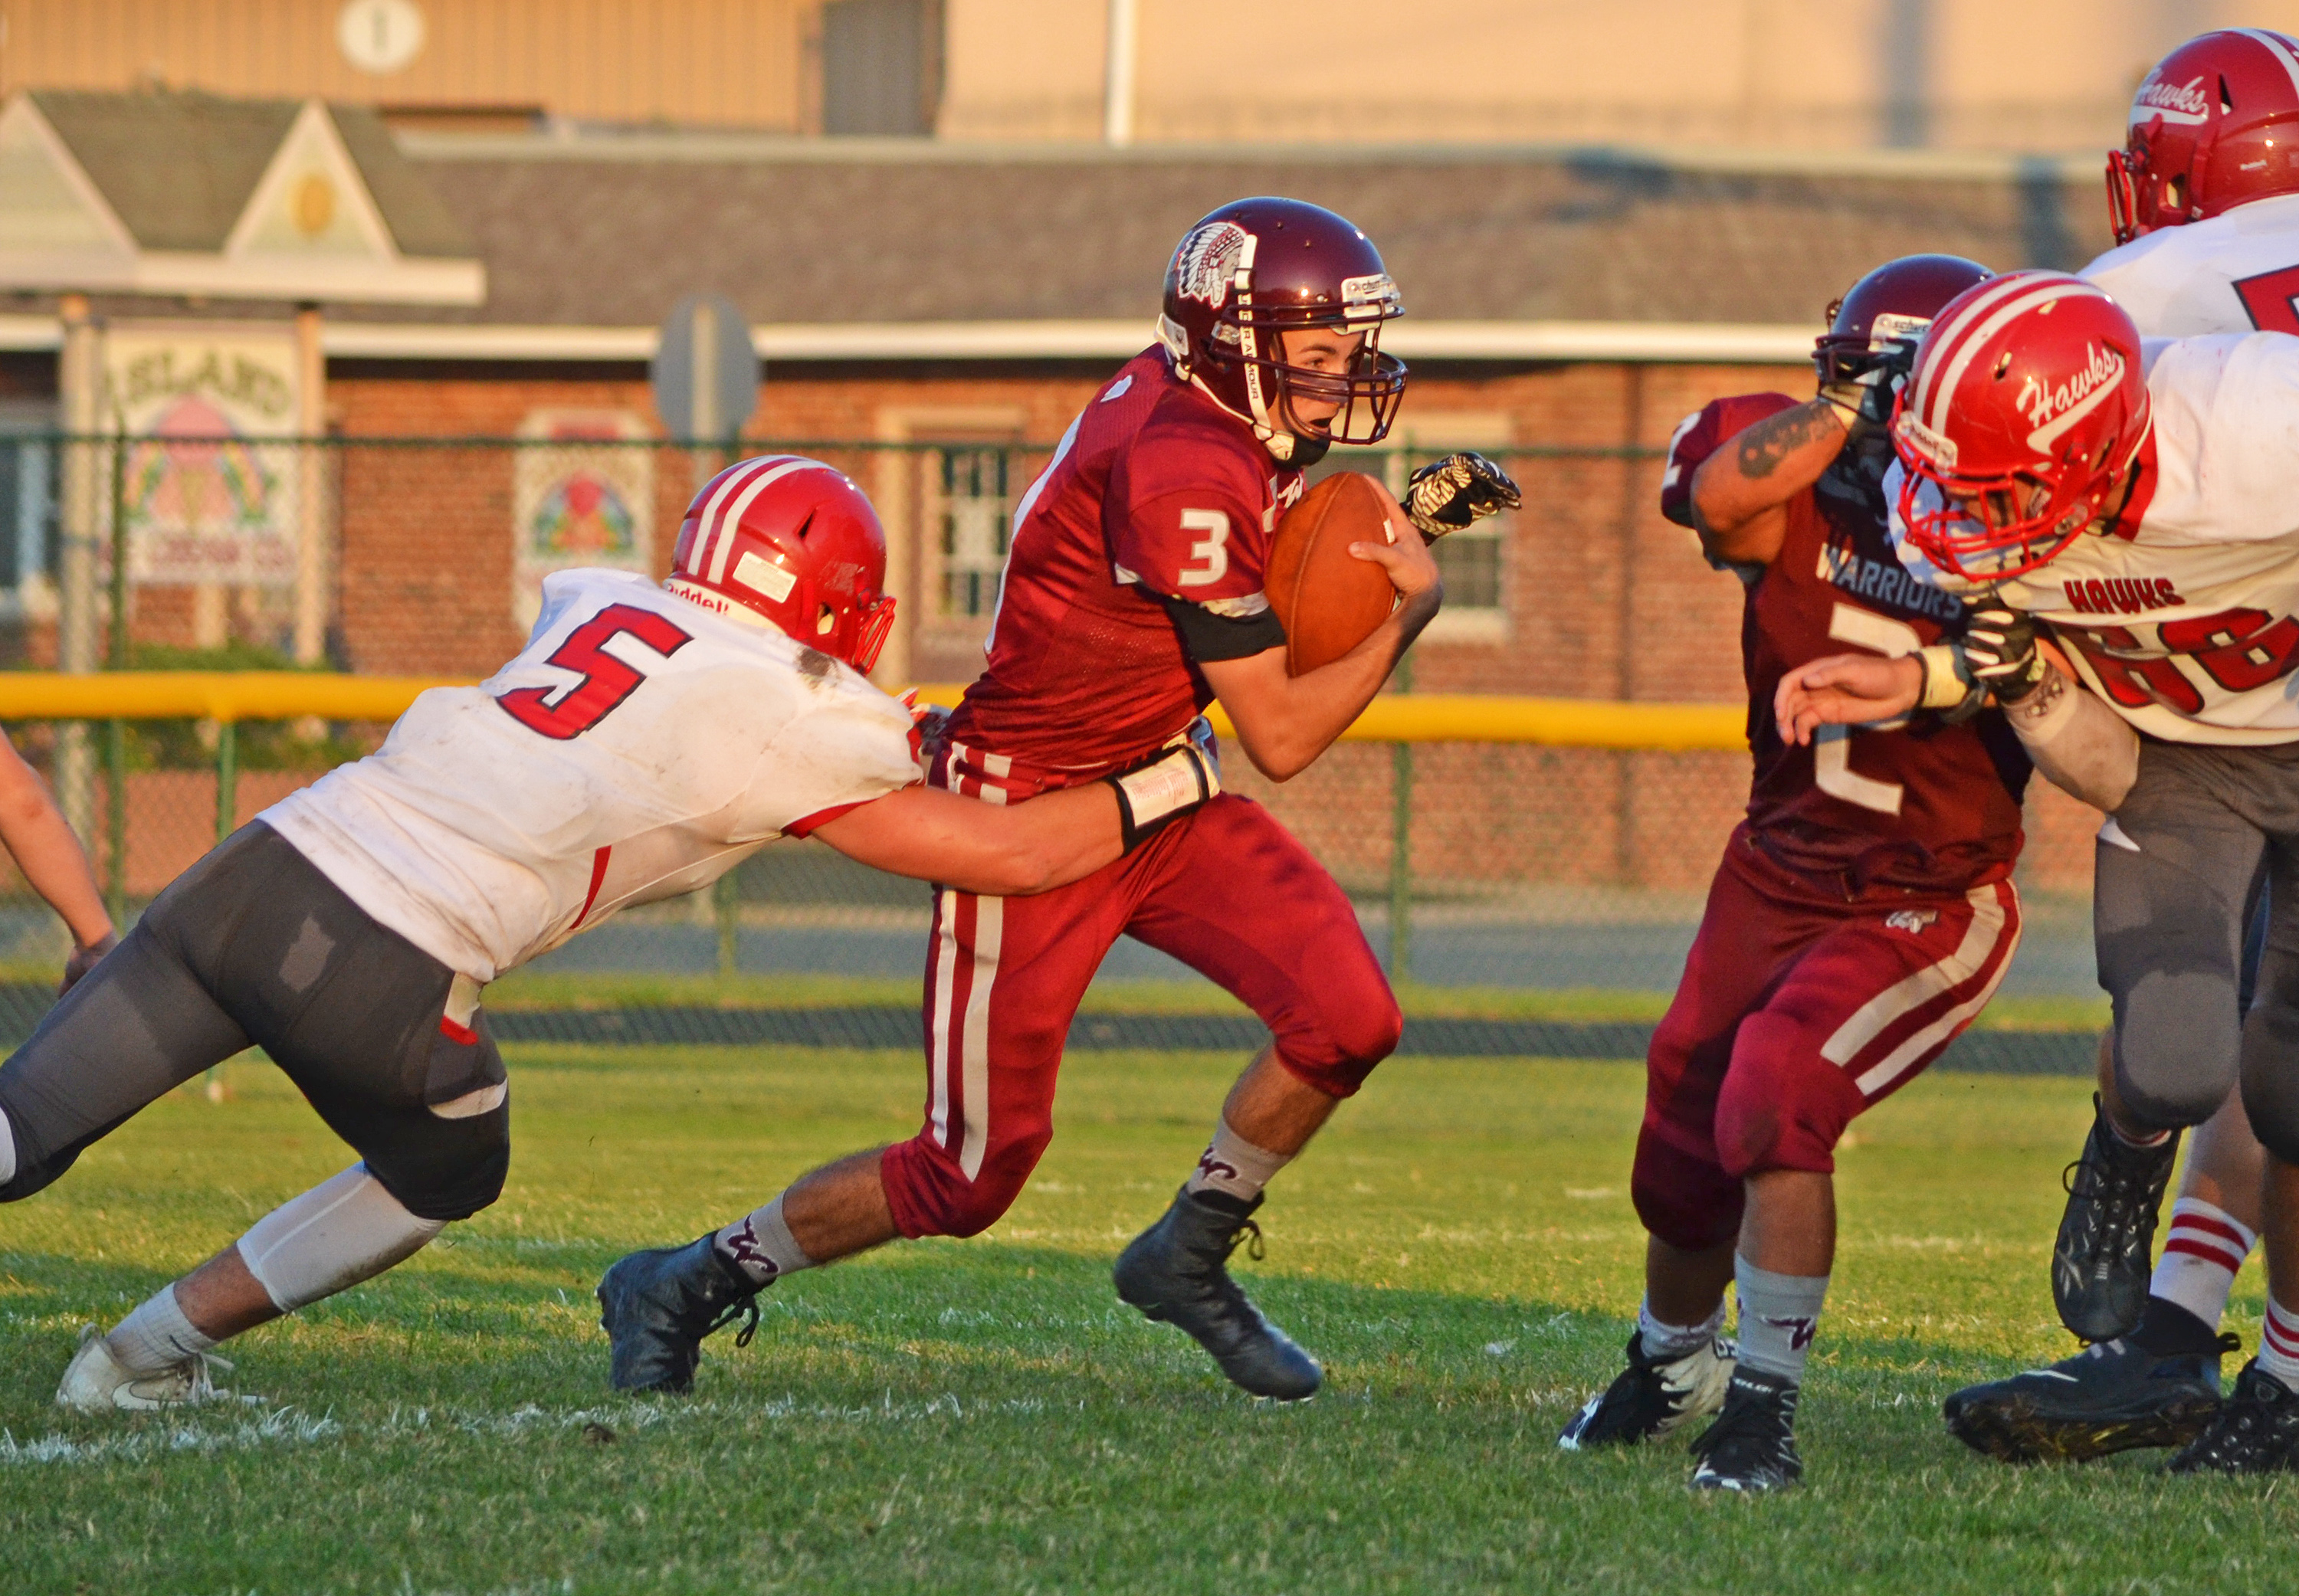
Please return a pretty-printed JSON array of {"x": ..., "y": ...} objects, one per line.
[{"x": 1459, "y": 1248}]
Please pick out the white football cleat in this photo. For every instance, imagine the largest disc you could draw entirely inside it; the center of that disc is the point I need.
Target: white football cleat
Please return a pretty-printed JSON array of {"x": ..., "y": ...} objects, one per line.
[{"x": 95, "y": 1383}]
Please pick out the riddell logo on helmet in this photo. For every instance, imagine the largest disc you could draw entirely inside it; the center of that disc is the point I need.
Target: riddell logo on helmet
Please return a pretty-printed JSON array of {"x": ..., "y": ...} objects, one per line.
[
  {"x": 1207, "y": 260},
  {"x": 2052, "y": 411},
  {"x": 2181, "y": 101}
]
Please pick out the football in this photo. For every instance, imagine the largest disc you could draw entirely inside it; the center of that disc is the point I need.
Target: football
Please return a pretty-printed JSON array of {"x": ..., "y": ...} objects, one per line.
[{"x": 1327, "y": 599}]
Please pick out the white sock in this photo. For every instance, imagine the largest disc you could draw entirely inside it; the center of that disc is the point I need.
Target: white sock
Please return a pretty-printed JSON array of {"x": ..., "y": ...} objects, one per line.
[
  {"x": 1779, "y": 1314},
  {"x": 2202, "y": 1256},
  {"x": 761, "y": 1245},
  {"x": 1229, "y": 1163},
  {"x": 156, "y": 1335},
  {"x": 7, "y": 1150},
  {"x": 2278, "y": 1344},
  {"x": 1663, "y": 1341}
]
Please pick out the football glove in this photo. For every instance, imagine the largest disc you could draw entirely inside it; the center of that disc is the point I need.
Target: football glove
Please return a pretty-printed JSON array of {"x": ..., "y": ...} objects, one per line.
[
  {"x": 2000, "y": 646},
  {"x": 1864, "y": 403},
  {"x": 1175, "y": 782},
  {"x": 1456, "y": 492}
]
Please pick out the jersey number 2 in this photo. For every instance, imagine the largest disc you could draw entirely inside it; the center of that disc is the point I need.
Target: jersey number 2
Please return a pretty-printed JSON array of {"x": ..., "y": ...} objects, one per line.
[
  {"x": 1832, "y": 746},
  {"x": 606, "y": 680}
]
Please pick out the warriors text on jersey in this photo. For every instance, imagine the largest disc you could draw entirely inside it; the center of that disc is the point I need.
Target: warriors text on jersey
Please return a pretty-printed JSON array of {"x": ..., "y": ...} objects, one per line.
[
  {"x": 1914, "y": 804},
  {"x": 1154, "y": 492},
  {"x": 2236, "y": 272},
  {"x": 2184, "y": 613},
  {"x": 638, "y": 747}
]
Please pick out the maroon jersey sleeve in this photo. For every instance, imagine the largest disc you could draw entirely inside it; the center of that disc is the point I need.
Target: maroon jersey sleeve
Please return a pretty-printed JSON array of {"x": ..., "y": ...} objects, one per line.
[
  {"x": 1188, "y": 513},
  {"x": 1700, "y": 434}
]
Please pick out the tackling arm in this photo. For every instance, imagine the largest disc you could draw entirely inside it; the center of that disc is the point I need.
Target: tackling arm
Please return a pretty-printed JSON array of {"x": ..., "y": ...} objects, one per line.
[
  {"x": 994, "y": 849},
  {"x": 45, "y": 850},
  {"x": 1284, "y": 722},
  {"x": 1741, "y": 493}
]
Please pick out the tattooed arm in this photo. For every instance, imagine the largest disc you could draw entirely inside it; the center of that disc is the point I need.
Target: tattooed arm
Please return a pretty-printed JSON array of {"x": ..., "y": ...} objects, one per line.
[{"x": 1741, "y": 493}]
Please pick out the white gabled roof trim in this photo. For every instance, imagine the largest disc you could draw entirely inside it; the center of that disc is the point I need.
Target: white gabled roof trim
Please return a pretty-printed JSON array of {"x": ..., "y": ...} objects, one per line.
[{"x": 1720, "y": 343}]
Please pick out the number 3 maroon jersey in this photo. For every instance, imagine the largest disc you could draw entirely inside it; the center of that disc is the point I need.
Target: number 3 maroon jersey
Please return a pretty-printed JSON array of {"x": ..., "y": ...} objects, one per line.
[
  {"x": 1917, "y": 802},
  {"x": 1155, "y": 493}
]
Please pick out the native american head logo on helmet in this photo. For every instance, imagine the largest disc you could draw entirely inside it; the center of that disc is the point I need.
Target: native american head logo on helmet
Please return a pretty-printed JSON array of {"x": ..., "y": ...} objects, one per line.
[
  {"x": 2216, "y": 123},
  {"x": 2020, "y": 424},
  {"x": 1254, "y": 272}
]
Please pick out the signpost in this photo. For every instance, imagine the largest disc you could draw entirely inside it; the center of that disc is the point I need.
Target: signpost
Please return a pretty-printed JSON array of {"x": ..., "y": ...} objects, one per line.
[{"x": 706, "y": 384}]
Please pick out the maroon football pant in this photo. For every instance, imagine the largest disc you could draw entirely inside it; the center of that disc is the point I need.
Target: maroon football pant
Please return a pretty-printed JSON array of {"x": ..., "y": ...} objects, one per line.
[
  {"x": 1226, "y": 891},
  {"x": 1799, "y": 1009}
]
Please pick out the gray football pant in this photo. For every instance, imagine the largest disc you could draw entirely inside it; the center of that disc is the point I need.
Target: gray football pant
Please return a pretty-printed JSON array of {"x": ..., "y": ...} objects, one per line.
[{"x": 2206, "y": 831}]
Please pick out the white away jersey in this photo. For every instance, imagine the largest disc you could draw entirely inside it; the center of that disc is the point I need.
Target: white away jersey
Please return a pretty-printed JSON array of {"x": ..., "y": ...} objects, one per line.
[
  {"x": 2184, "y": 614},
  {"x": 638, "y": 747},
  {"x": 2236, "y": 272}
]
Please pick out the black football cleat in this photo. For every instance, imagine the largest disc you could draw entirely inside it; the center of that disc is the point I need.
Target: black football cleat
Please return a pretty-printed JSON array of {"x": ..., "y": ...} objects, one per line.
[
  {"x": 657, "y": 1306},
  {"x": 1178, "y": 1270},
  {"x": 1652, "y": 1398},
  {"x": 2100, "y": 1261},
  {"x": 2257, "y": 1431},
  {"x": 1751, "y": 1448},
  {"x": 2113, "y": 1396}
]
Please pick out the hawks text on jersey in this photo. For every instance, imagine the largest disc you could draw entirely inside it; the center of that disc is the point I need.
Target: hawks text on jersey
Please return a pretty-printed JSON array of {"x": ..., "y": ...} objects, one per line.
[
  {"x": 1155, "y": 493},
  {"x": 2184, "y": 613},
  {"x": 639, "y": 747},
  {"x": 2236, "y": 272},
  {"x": 1915, "y": 804}
]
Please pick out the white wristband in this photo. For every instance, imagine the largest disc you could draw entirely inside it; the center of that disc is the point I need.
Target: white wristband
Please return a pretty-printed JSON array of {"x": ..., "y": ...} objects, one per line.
[{"x": 1944, "y": 686}]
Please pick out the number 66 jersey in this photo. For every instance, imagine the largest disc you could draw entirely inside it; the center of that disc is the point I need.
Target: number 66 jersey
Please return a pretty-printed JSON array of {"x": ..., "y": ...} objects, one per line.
[
  {"x": 1914, "y": 803},
  {"x": 639, "y": 747}
]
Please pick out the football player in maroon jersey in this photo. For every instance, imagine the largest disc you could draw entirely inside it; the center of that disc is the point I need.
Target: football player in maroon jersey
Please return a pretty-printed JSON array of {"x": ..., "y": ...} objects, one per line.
[
  {"x": 1862, "y": 915},
  {"x": 1133, "y": 597}
]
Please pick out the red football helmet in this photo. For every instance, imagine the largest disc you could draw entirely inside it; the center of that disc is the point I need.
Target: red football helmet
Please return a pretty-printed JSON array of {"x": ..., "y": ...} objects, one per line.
[
  {"x": 792, "y": 539},
  {"x": 1257, "y": 267},
  {"x": 2023, "y": 414},
  {"x": 1892, "y": 304},
  {"x": 2216, "y": 123}
]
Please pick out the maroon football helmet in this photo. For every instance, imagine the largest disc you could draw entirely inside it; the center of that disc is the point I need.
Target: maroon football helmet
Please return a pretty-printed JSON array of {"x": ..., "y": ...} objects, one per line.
[
  {"x": 1892, "y": 304},
  {"x": 792, "y": 540},
  {"x": 1257, "y": 267},
  {"x": 2214, "y": 124}
]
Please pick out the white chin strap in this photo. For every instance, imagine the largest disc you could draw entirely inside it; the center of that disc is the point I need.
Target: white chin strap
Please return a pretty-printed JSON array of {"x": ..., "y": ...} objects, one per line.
[
  {"x": 339, "y": 1233},
  {"x": 7, "y": 1151}
]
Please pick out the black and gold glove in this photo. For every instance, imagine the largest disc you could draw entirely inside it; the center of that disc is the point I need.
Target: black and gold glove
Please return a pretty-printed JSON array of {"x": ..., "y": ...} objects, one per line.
[{"x": 1456, "y": 492}]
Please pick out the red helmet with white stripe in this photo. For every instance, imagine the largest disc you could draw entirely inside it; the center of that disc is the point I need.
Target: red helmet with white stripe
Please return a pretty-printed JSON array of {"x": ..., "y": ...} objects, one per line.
[
  {"x": 792, "y": 539},
  {"x": 2216, "y": 123},
  {"x": 2024, "y": 412}
]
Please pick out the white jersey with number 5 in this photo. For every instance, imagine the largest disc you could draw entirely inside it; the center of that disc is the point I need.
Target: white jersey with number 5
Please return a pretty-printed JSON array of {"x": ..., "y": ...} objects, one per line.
[
  {"x": 2185, "y": 614},
  {"x": 2236, "y": 272},
  {"x": 638, "y": 747}
]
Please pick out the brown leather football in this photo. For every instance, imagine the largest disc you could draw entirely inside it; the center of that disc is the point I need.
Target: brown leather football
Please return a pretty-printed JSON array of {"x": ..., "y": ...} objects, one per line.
[{"x": 1327, "y": 599}]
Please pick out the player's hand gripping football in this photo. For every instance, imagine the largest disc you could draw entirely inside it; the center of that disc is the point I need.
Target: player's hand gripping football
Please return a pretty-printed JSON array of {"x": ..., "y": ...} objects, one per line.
[
  {"x": 1845, "y": 690},
  {"x": 1457, "y": 492},
  {"x": 1406, "y": 563}
]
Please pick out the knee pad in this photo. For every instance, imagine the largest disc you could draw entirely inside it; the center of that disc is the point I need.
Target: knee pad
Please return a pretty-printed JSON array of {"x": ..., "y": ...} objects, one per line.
[
  {"x": 2271, "y": 1080},
  {"x": 337, "y": 1233},
  {"x": 1782, "y": 1105},
  {"x": 2174, "y": 1066},
  {"x": 929, "y": 1195},
  {"x": 1358, "y": 1025},
  {"x": 438, "y": 1169},
  {"x": 1685, "y": 1201}
]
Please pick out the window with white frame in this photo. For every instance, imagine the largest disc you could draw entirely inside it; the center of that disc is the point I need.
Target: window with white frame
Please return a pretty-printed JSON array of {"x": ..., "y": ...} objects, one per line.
[
  {"x": 28, "y": 510},
  {"x": 975, "y": 511}
]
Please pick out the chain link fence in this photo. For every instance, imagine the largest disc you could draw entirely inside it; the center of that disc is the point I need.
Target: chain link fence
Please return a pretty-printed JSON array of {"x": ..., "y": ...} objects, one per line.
[{"x": 1473, "y": 864}]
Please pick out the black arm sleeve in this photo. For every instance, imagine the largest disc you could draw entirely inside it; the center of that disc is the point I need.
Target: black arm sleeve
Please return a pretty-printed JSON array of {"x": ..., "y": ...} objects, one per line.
[{"x": 1211, "y": 637}]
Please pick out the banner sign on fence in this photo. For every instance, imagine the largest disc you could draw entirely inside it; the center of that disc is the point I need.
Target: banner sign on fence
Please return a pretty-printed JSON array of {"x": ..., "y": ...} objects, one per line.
[
  {"x": 584, "y": 496},
  {"x": 209, "y": 490}
]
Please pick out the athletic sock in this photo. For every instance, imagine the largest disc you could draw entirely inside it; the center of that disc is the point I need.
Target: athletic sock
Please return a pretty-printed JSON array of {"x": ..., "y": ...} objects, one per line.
[
  {"x": 2201, "y": 1257},
  {"x": 1229, "y": 1163},
  {"x": 2153, "y": 1138},
  {"x": 761, "y": 1245},
  {"x": 2279, "y": 1345},
  {"x": 1665, "y": 1343},
  {"x": 1779, "y": 1316},
  {"x": 156, "y": 1336},
  {"x": 7, "y": 1150}
]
